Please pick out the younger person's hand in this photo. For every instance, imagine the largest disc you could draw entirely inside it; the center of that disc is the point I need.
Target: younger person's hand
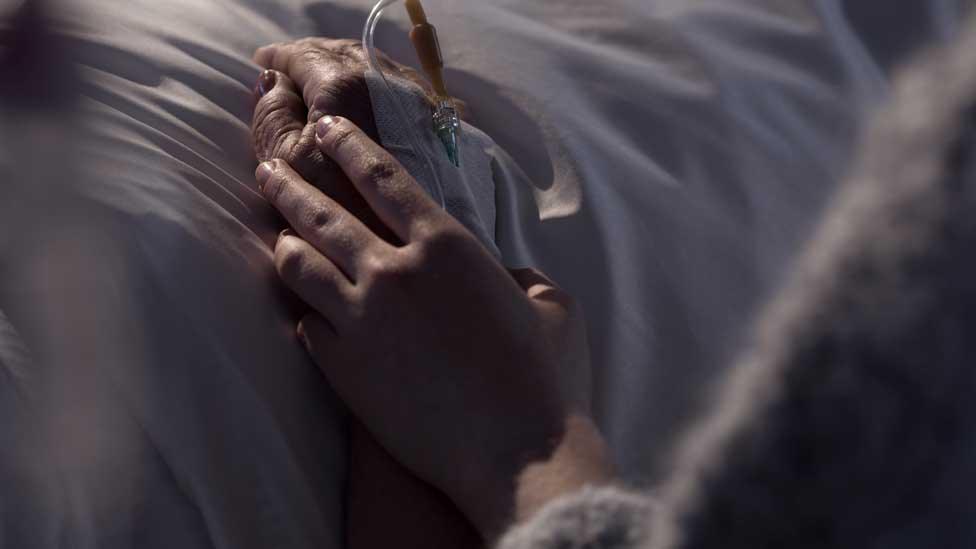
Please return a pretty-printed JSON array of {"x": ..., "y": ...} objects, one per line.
[{"x": 475, "y": 378}]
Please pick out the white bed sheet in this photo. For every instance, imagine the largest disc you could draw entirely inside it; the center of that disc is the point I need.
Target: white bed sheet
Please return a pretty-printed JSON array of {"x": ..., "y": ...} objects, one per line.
[{"x": 669, "y": 159}]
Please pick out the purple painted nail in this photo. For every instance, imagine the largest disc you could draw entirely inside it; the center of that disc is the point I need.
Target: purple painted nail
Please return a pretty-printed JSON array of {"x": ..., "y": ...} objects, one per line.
[{"x": 266, "y": 82}]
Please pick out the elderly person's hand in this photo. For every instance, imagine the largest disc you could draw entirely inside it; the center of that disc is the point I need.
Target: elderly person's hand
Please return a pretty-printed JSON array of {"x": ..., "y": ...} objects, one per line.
[
  {"x": 475, "y": 378},
  {"x": 304, "y": 80}
]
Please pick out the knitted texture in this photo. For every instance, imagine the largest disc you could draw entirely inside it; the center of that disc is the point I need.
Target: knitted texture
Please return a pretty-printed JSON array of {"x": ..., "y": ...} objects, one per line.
[
  {"x": 849, "y": 423},
  {"x": 605, "y": 518}
]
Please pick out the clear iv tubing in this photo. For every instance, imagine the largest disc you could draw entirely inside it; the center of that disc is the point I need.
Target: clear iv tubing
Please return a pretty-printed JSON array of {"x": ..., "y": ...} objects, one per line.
[{"x": 437, "y": 189}]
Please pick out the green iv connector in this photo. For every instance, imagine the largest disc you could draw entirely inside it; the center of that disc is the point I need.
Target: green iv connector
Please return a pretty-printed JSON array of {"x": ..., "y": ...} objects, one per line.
[
  {"x": 447, "y": 126},
  {"x": 447, "y": 123}
]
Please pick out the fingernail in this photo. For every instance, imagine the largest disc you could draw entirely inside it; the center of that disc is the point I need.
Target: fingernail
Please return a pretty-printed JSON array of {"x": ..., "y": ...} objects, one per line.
[
  {"x": 284, "y": 233},
  {"x": 324, "y": 125},
  {"x": 263, "y": 174},
  {"x": 266, "y": 82}
]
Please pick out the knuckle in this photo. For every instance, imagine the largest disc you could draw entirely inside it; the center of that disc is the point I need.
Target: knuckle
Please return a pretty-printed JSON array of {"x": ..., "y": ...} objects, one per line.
[
  {"x": 378, "y": 266},
  {"x": 318, "y": 217},
  {"x": 349, "y": 48},
  {"x": 276, "y": 112},
  {"x": 267, "y": 106},
  {"x": 384, "y": 271},
  {"x": 290, "y": 262},
  {"x": 280, "y": 140},
  {"x": 274, "y": 130},
  {"x": 284, "y": 146},
  {"x": 281, "y": 54},
  {"x": 416, "y": 260},
  {"x": 442, "y": 242},
  {"x": 308, "y": 54},
  {"x": 357, "y": 303},
  {"x": 341, "y": 136},
  {"x": 400, "y": 273},
  {"x": 299, "y": 150},
  {"x": 271, "y": 111},
  {"x": 424, "y": 229},
  {"x": 380, "y": 170}
]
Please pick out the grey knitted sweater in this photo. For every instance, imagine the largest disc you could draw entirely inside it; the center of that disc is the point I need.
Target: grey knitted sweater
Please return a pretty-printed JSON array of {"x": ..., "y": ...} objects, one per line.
[{"x": 850, "y": 422}]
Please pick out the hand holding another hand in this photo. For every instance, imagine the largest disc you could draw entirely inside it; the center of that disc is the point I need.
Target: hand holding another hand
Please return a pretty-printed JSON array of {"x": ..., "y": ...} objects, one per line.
[{"x": 474, "y": 378}]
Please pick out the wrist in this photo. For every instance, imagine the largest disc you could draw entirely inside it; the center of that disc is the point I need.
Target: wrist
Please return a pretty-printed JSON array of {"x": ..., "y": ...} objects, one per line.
[
  {"x": 577, "y": 458},
  {"x": 580, "y": 459}
]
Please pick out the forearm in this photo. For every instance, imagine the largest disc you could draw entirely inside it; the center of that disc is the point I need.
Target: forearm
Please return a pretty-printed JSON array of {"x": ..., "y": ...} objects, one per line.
[{"x": 387, "y": 506}]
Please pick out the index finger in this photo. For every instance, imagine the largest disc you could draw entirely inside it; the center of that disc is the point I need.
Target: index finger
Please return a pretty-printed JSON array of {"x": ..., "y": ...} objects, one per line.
[
  {"x": 318, "y": 219},
  {"x": 396, "y": 197}
]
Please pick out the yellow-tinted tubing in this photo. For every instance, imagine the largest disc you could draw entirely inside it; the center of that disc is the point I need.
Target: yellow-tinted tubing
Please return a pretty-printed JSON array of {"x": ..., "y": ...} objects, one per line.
[
  {"x": 424, "y": 38},
  {"x": 416, "y": 11}
]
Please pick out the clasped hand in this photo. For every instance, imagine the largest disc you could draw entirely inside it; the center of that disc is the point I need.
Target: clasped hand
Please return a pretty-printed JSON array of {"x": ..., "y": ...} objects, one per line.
[{"x": 473, "y": 377}]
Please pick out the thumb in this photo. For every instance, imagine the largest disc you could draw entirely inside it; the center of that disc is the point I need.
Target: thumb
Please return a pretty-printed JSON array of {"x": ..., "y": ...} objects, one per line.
[
  {"x": 279, "y": 122},
  {"x": 539, "y": 287},
  {"x": 531, "y": 280}
]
